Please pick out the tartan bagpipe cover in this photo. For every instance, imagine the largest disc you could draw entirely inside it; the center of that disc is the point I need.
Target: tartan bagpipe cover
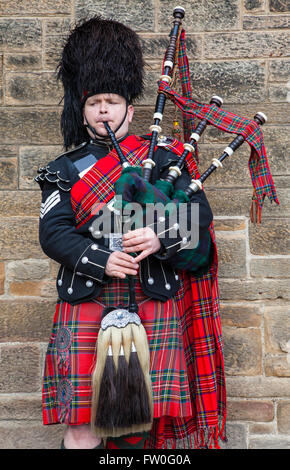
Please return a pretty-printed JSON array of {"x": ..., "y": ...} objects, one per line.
[{"x": 198, "y": 307}]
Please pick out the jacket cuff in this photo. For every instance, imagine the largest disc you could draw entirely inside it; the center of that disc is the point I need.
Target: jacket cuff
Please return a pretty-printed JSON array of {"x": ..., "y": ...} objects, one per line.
[
  {"x": 171, "y": 240},
  {"x": 92, "y": 262}
]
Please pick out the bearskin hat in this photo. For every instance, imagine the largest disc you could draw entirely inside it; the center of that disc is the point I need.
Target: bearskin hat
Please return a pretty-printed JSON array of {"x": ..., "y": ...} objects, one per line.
[{"x": 100, "y": 56}]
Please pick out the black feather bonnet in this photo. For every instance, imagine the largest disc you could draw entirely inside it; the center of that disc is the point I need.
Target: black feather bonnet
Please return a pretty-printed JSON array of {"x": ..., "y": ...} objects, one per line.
[{"x": 100, "y": 56}]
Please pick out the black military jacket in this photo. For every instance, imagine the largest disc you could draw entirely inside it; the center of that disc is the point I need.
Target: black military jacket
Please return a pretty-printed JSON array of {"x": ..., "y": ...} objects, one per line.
[{"x": 82, "y": 257}]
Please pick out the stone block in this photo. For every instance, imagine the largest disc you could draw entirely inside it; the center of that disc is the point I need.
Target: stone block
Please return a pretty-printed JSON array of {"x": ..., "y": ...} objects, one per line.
[
  {"x": 277, "y": 156},
  {"x": 237, "y": 437},
  {"x": 37, "y": 88},
  {"x": 20, "y": 407},
  {"x": 279, "y": 70},
  {"x": 137, "y": 15},
  {"x": 241, "y": 316},
  {"x": 253, "y": 289},
  {"x": 19, "y": 238},
  {"x": 8, "y": 173},
  {"x": 283, "y": 417},
  {"x": 270, "y": 238},
  {"x": 278, "y": 93},
  {"x": 30, "y": 126},
  {"x": 278, "y": 365},
  {"x": 258, "y": 387},
  {"x": 273, "y": 211},
  {"x": 255, "y": 22},
  {"x": 48, "y": 289},
  {"x": 226, "y": 202},
  {"x": 232, "y": 80},
  {"x": 229, "y": 224},
  {"x": 271, "y": 442},
  {"x": 277, "y": 329},
  {"x": 28, "y": 269},
  {"x": 254, "y": 5},
  {"x": 250, "y": 410},
  {"x": 270, "y": 267},
  {"x": 26, "y": 319},
  {"x": 277, "y": 114},
  {"x": 20, "y": 34},
  {"x": 19, "y": 368},
  {"x": 242, "y": 351},
  {"x": 152, "y": 74},
  {"x": 1, "y": 80},
  {"x": 26, "y": 288},
  {"x": 20, "y": 203},
  {"x": 202, "y": 16},
  {"x": 7, "y": 150},
  {"x": 22, "y": 62},
  {"x": 54, "y": 268},
  {"x": 56, "y": 26},
  {"x": 55, "y": 32},
  {"x": 263, "y": 44},
  {"x": 35, "y": 7},
  {"x": 30, "y": 159},
  {"x": 261, "y": 428},
  {"x": 154, "y": 47},
  {"x": 229, "y": 202},
  {"x": 29, "y": 435},
  {"x": 2, "y": 277},
  {"x": 235, "y": 172},
  {"x": 143, "y": 119},
  {"x": 232, "y": 254},
  {"x": 279, "y": 5}
]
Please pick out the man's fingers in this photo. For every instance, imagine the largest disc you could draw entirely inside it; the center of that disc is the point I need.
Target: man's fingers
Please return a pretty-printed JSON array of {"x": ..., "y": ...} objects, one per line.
[
  {"x": 126, "y": 264},
  {"x": 120, "y": 257},
  {"x": 142, "y": 255}
]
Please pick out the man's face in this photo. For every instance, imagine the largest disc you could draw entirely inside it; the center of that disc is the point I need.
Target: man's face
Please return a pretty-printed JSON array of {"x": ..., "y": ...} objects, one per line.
[{"x": 107, "y": 107}]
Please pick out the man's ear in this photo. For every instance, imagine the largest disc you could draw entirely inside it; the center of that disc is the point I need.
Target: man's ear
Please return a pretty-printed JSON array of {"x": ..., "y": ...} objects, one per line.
[{"x": 130, "y": 113}]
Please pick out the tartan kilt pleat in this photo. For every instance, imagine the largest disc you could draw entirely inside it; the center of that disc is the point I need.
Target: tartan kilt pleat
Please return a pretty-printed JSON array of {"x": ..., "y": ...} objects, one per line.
[{"x": 71, "y": 356}]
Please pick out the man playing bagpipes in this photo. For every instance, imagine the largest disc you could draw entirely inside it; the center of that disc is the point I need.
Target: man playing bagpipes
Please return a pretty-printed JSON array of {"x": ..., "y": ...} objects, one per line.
[{"x": 135, "y": 356}]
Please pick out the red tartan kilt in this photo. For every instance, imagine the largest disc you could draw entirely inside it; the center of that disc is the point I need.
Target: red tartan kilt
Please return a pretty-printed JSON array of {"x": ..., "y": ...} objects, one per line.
[{"x": 71, "y": 357}]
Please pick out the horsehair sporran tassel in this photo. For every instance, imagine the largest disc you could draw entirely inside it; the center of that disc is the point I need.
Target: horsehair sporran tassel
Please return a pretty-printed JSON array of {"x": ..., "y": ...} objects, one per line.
[{"x": 122, "y": 392}]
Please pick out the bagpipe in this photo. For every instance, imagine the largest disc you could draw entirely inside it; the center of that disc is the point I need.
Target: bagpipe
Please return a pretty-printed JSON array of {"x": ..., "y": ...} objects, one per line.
[{"x": 122, "y": 400}]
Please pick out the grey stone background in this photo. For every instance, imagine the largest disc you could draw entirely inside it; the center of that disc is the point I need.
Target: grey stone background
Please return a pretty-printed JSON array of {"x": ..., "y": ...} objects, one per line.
[{"x": 238, "y": 49}]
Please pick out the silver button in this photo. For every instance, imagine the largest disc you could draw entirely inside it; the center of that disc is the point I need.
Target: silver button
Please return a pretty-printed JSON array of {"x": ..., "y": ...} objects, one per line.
[
  {"x": 176, "y": 277},
  {"x": 150, "y": 281},
  {"x": 167, "y": 286},
  {"x": 85, "y": 260},
  {"x": 184, "y": 240},
  {"x": 70, "y": 291},
  {"x": 89, "y": 283},
  {"x": 59, "y": 282},
  {"x": 94, "y": 247}
]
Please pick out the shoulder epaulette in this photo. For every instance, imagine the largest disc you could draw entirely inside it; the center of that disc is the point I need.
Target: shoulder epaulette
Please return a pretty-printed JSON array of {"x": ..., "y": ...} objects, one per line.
[
  {"x": 68, "y": 152},
  {"x": 54, "y": 173}
]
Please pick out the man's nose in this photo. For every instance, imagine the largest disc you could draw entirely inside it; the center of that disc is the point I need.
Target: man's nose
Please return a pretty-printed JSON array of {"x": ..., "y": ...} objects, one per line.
[{"x": 103, "y": 107}]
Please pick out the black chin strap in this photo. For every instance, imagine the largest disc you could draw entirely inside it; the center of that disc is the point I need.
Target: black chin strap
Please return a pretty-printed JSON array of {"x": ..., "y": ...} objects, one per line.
[{"x": 101, "y": 137}]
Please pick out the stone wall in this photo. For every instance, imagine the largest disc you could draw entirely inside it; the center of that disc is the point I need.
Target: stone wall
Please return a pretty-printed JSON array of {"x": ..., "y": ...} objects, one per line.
[{"x": 238, "y": 49}]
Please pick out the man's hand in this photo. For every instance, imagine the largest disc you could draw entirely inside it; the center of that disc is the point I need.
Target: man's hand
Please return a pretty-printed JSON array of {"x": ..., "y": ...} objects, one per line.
[
  {"x": 119, "y": 264},
  {"x": 142, "y": 239}
]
